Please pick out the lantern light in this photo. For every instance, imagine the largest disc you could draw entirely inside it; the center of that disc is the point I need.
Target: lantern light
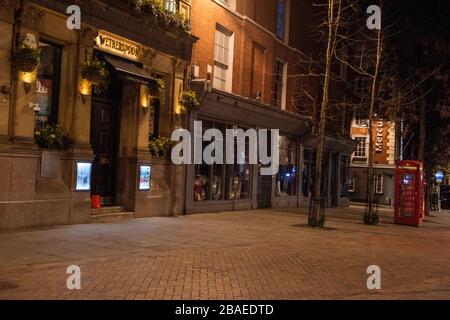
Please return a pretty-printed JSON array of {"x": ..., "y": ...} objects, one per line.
[{"x": 27, "y": 78}]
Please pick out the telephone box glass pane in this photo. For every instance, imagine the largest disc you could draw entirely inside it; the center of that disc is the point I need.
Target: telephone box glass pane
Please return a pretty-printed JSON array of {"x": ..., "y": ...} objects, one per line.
[{"x": 407, "y": 191}]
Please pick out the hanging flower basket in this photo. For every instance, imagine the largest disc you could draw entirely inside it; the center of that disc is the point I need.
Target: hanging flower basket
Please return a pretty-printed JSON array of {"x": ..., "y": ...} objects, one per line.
[
  {"x": 95, "y": 72},
  {"x": 164, "y": 17},
  {"x": 189, "y": 100},
  {"x": 157, "y": 88},
  {"x": 26, "y": 59},
  {"x": 52, "y": 138},
  {"x": 160, "y": 147}
]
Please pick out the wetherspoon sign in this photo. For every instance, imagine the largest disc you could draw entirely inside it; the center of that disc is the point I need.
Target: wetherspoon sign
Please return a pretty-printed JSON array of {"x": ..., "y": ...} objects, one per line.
[{"x": 117, "y": 46}]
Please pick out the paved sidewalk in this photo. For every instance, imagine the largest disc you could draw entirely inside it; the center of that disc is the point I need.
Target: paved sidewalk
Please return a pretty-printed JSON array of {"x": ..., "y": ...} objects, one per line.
[{"x": 262, "y": 254}]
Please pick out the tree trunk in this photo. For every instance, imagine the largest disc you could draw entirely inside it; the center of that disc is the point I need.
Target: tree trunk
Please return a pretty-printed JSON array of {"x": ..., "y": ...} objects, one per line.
[
  {"x": 315, "y": 217},
  {"x": 370, "y": 216},
  {"x": 422, "y": 129},
  {"x": 421, "y": 151}
]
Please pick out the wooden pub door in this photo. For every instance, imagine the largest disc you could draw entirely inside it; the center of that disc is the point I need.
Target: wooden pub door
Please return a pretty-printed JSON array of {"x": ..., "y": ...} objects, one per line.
[{"x": 105, "y": 119}]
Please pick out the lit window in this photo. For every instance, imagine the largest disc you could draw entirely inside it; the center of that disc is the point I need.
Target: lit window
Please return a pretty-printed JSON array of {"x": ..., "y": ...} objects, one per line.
[
  {"x": 287, "y": 174},
  {"x": 47, "y": 85},
  {"x": 361, "y": 149},
  {"x": 171, "y": 5}
]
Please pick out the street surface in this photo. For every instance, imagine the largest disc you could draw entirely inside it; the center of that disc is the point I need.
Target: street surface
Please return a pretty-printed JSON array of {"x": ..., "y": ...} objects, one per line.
[{"x": 262, "y": 254}]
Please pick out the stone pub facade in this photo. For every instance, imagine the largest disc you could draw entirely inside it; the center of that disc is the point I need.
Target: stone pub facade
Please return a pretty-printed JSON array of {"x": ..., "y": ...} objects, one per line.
[{"x": 109, "y": 128}]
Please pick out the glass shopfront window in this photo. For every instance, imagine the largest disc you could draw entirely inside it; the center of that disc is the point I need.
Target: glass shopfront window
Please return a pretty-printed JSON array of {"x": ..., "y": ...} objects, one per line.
[
  {"x": 47, "y": 85},
  {"x": 238, "y": 175},
  {"x": 208, "y": 182},
  {"x": 222, "y": 182},
  {"x": 209, "y": 179},
  {"x": 308, "y": 172},
  {"x": 344, "y": 176},
  {"x": 287, "y": 175},
  {"x": 238, "y": 182}
]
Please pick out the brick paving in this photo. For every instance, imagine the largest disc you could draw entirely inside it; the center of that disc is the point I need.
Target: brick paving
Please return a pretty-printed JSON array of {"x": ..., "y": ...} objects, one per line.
[{"x": 261, "y": 254}]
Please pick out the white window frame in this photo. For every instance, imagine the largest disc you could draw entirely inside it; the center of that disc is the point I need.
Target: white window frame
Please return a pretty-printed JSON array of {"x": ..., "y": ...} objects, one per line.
[
  {"x": 366, "y": 155},
  {"x": 225, "y": 63}
]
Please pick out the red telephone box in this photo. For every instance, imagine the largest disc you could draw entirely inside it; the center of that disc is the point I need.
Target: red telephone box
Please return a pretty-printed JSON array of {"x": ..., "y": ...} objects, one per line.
[{"x": 409, "y": 193}]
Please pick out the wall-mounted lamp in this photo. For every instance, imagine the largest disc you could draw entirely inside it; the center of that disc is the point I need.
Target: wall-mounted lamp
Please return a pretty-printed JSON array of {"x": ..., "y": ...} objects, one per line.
[
  {"x": 179, "y": 109},
  {"x": 85, "y": 90},
  {"x": 27, "y": 78},
  {"x": 145, "y": 98}
]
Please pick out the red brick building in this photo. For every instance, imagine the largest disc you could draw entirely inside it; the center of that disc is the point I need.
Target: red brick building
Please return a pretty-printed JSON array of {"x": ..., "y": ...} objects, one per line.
[{"x": 248, "y": 56}]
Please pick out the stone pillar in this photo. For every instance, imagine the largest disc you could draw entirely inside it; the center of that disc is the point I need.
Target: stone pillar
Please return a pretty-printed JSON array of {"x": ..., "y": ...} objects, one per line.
[
  {"x": 22, "y": 117},
  {"x": 6, "y": 30},
  {"x": 81, "y": 128}
]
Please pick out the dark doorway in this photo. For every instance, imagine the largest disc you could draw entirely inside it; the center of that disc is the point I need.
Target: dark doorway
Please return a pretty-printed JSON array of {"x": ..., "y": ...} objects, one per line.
[
  {"x": 334, "y": 180},
  {"x": 264, "y": 192},
  {"x": 105, "y": 119}
]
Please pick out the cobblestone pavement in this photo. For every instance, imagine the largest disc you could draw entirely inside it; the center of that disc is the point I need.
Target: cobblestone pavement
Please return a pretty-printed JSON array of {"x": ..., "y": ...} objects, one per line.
[{"x": 262, "y": 254}]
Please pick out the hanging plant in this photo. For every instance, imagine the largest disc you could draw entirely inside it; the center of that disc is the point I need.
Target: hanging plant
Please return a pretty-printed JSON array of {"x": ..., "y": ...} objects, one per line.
[
  {"x": 189, "y": 100},
  {"x": 157, "y": 88},
  {"x": 160, "y": 146},
  {"x": 52, "y": 138},
  {"x": 96, "y": 72},
  {"x": 163, "y": 16},
  {"x": 26, "y": 59}
]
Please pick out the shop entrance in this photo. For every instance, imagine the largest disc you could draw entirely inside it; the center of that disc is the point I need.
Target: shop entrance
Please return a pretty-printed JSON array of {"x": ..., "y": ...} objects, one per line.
[
  {"x": 334, "y": 180},
  {"x": 105, "y": 116},
  {"x": 264, "y": 193}
]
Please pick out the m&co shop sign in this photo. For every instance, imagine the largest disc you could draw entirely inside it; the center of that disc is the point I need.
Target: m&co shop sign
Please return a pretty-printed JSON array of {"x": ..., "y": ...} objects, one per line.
[{"x": 118, "y": 46}]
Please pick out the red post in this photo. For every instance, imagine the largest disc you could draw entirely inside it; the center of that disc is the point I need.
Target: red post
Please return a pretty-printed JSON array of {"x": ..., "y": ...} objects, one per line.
[{"x": 96, "y": 202}]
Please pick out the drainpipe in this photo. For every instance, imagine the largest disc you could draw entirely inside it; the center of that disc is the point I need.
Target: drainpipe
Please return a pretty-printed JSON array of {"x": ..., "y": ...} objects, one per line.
[{"x": 17, "y": 24}]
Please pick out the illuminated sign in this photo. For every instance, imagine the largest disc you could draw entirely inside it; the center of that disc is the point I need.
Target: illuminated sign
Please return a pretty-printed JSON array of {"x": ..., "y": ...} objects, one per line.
[
  {"x": 145, "y": 176},
  {"x": 118, "y": 46},
  {"x": 439, "y": 175},
  {"x": 407, "y": 168},
  {"x": 83, "y": 176},
  {"x": 379, "y": 141}
]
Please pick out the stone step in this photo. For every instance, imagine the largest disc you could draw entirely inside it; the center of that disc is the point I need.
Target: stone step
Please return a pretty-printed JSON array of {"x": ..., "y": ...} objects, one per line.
[
  {"x": 105, "y": 210},
  {"x": 113, "y": 217}
]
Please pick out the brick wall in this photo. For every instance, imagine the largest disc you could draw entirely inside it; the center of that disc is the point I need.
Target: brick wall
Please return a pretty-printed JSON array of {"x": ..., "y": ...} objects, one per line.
[{"x": 256, "y": 48}]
